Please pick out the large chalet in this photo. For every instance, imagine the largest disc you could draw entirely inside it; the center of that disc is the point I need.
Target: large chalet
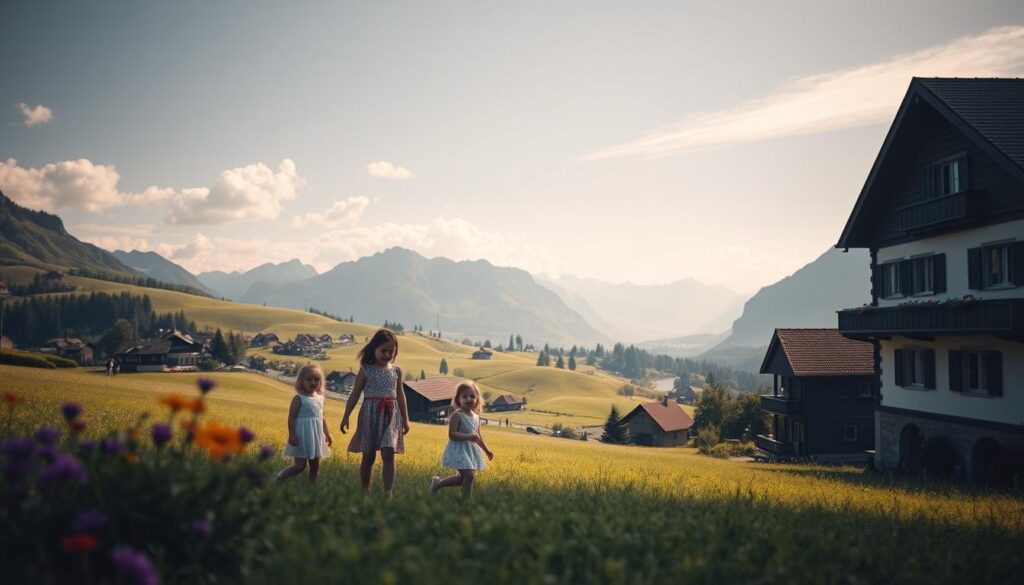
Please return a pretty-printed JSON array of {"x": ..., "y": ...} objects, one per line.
[{"x": 942, "y": 214}]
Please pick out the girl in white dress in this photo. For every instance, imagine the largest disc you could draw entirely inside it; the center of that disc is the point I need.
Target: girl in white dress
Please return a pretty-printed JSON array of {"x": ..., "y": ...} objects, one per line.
[
  {"x": 466, "y": 447},
  {"x": 309, "y": 439}
]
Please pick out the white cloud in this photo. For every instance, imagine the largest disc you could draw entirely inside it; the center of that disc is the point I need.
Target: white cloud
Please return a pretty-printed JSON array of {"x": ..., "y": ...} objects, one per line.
[
  {"x": 71, "y": 184},
  {"x": 137, "y": 230},
  {"x": 452, "y": 238},
  {"x": 868, "y": 94},
  {"x": 345, "y": 213},
  {"x": 39, "y": 114},
  {"x": 386, "y": 170},
  {"x": 252, "y": 192}
]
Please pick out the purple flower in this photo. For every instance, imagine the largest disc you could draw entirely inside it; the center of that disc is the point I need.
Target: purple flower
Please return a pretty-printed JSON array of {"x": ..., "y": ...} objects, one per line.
[
  {"x": 87, "y": 445},
  {"x": 111, "y": 446},
  {"x": 134, "y": 565},
  {"x": 266, "y": 452},
  {"x": 49, "y": 453},
  {"x": 71, "y": 410},
  {"x": 88, "y": 521},
  {"x": 18, "y": 448},
  {"x": 246, "y": 435},
  {"x": 205, "y": 384},
  {"x": 64, "y": 468},
  {"x": 254, "y": 475},
  {"x": 16, "y": 470},
  {"x": 161, "y": 433},
  {"x": 202, "y": 528},
  {"x": 48, "y": 435}
]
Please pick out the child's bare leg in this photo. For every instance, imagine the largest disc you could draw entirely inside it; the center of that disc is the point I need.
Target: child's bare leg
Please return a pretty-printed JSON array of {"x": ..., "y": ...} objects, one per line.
[
  {"x": 293, "y": 469},
  {"x": 388, "y": 472},
  {"x": 314, "y": 470},
  {"x": 366, "y": 469},
  {"x": 467, "y": 483},
  {"x": 450, "y": 481}
]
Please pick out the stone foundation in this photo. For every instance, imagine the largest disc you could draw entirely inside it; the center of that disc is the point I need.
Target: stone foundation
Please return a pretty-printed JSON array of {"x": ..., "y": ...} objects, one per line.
[{"x": 962, "y": 434}]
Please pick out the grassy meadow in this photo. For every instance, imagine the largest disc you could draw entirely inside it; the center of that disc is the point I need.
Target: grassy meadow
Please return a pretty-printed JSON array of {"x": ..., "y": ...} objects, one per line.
[{"x": 556, "y": 511}]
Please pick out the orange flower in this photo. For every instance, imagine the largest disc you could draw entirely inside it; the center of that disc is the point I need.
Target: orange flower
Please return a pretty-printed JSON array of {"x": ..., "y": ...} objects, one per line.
[
  {"x": 130, "y": 457},
  {"x": 174, "y": 401},
  {"x": 79, "y": 543},
  {"x": 220, "y": 441},
  {"x": 11, "y": 398},
  {"x": 197, "y": 406}
]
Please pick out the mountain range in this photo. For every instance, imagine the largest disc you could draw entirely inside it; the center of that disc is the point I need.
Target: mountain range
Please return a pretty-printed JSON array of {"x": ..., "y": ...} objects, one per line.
[
  {"x": 235, "y": 285},
  {"x": 156, "y": 266}
]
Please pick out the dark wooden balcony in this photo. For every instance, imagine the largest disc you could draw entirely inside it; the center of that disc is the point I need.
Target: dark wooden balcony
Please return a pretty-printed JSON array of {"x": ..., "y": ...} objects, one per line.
[
  {"x": 1004, "y": 317},
  {"x": 770, "y": 445},
  {"x": 933, "y": 212},
  {"x": 780, "y": 405}
]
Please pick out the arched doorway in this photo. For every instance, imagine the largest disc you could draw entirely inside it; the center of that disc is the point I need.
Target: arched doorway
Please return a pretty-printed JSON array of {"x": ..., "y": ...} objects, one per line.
[
  {"x": 911, "y": 439},
  {"x": 982, "y": 455}
]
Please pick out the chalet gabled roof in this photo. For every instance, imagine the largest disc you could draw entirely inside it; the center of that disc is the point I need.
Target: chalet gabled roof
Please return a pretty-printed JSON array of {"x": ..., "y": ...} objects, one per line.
[
  {"x": 509, "y": 399},
  {"x": 820, "y": 352},
  {"x": 435, "y": 389},
  {"x": 667, "y": 415},
  {"x": 989, "y": 112}
]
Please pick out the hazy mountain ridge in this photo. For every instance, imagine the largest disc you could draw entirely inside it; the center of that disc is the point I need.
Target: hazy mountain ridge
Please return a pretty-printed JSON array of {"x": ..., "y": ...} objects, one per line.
[
  {"x": 234, "y": 285},
  {"x": 156, "y": 266}
]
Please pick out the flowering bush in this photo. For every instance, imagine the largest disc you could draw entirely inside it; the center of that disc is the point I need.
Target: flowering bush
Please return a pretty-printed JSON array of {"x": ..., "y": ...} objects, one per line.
[{"x": 131, "y": 505}]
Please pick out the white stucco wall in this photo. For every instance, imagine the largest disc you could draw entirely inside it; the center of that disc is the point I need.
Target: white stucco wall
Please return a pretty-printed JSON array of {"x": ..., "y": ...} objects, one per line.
[
  {"x": 955, "y": 247},
  {"x": 1008, "y": 408}
]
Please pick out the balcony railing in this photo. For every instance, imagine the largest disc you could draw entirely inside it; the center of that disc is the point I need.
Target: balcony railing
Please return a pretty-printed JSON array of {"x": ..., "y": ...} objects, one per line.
[
  {"x": 933, "y": 212},
  {"x": 996, "y": 317},
  {"x": 770, "y": 445},
  {"x": 780, "y": 404}
]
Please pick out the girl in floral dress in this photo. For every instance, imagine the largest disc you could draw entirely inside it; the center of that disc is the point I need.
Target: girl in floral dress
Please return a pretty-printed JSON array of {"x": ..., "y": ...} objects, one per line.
[{"x": 384, "y": 417}]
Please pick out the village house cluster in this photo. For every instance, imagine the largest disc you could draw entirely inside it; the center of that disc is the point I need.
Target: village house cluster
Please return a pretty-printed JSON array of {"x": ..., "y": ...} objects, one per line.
[{"x": 305, "y": 344}]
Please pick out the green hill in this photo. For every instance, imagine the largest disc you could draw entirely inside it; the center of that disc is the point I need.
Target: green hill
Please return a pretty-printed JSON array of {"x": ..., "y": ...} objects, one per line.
[
  {"x": 156, "y": 266},
  {"x": 37, "y": 238}
]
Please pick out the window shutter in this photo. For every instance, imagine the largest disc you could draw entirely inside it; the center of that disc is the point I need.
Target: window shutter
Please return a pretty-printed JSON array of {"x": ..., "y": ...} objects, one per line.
[
  {"x": 877, "y": 289},
  {"x": 929, "y": 369},
  {"x": 965, "y": 182},
  {"x": 994, "y": 369},
  {"x": 956, "y": 371},
  {"x": 939, "y": 273},
  {"x": 926, "y": 184},
  {"x": 898, "y": 364},
  {"x": 1017, "y": 260},
  {"x": 974, "y": 268},
  {"x": 905, "y": 285}
]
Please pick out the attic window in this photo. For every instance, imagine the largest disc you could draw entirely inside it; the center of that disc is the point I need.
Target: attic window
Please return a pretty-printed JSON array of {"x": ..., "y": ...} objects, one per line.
[{"x": 947, "y": 176}]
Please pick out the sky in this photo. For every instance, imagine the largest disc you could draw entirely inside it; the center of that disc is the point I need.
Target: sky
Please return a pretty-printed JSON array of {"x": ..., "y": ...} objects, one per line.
[{"x": 624, "y": 141}]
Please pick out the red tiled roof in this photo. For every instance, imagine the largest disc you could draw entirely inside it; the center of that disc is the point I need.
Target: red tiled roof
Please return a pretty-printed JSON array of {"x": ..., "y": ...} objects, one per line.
[
  {"x": 509, "y": 399},
  {"x": 435, "y": 389},
  {"x": 824, "y": 352},
  {"x": 670, "y": 417}
]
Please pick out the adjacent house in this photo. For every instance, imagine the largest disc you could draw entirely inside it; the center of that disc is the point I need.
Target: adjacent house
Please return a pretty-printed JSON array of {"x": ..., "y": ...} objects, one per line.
[
  {"x": 430, "y": 400},
  {"x": 173, "y": 350},
  {"x": 71, "y": 348},
  {"x": 508, "y": 402},
  {"x": 340, "y": 382},
  {"x": 264, "y": 340},
  {"x": 482, "y": 354},
  {"x": 688, "y": 394},
  {"x": 822, "y": 401},
  {"x": 942, "y": 214},
  {"x": 658, "y": 424}
]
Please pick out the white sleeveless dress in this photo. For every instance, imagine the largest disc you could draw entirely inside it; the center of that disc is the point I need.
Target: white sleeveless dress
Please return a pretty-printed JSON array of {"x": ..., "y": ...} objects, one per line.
[
  {"x": 309, "y": 430},
  {"x": 465, "y": 454}
]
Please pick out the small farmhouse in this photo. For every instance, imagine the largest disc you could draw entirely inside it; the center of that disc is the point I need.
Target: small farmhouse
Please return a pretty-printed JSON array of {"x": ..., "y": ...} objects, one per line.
[
  {"x": 658, "y": 424},
  {"x": 482, "y": 354},
  {"x": 430, "y": 400},
  {"x": 340, "y": 382},
  {"x": 71, "y": 348},
  {"x": 508, "y": 402}
]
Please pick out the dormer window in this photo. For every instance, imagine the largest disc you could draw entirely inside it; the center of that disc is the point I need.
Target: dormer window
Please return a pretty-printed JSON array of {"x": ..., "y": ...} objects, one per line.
[{"x": 947, "y": 176}]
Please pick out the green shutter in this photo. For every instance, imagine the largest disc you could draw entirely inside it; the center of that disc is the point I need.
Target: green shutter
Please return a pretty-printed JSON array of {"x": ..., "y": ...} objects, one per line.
[
  {"x": 974, "y": 268},
  {"x": 939, "y": 273},
  {"x": 898, "y": 365},
  {"x": 994, "y": 369},
  {"x": 956, "y": 371},
  {"x": 929, "y": 369}
]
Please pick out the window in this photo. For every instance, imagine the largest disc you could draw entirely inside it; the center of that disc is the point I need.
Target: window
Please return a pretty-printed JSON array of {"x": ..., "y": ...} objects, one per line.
[
  {"x": 850, "y": 433},
  {"x": 891, "y": 280},
  {"x": 922, "y": 275},
  {"x": 976, "y": 371},
  {"x": 997, "y": 265},
  {"x": 947, "y": 178},
  {"x": 864, "y": 389},
  {"x": 915, "y": 368}
]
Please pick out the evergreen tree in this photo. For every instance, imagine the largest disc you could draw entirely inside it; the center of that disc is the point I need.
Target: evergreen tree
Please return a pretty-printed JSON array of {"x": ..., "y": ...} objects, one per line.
[
  {"x": 614, "y": 429},
  {"x": 560, "y": 364},
  {"x": 423, "y": 375},
  {"x": 487, "y": 344},
  {"x": 572, "y": 362},
  {"x": 443, "y": 368},
  {"x": 219, "y": 347},
  {"x": 519, "y": 342},
  {"x": 542, "y": 359},
  {"x": 511, "y": 343}
]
